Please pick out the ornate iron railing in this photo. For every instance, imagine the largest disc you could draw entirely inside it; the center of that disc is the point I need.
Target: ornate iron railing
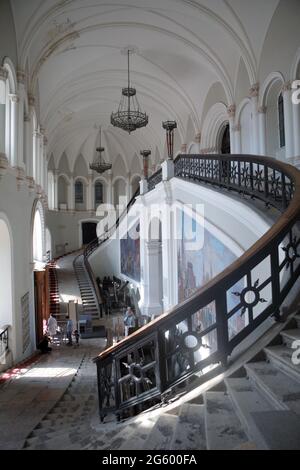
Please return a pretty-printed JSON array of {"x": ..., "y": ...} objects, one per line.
[
  {"x": 4, "y": 340},
  {"x": 171, "y": 349},
  {"x": 154, "y": 180}
]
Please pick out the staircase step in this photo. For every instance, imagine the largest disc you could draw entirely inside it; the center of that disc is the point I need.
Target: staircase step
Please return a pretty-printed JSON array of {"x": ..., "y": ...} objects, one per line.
[
  {"x": 247, "y": 400},
  {"x": 224, "y": 430},
  {"x": 282, "y": 389},
  {"x": 138, "y": 439},
  {"x": 189, "y": 433},
  {"x": 282, "y": 357},
  {"x": 290, "y": 336},
  {"x": 297, "y": 318},
  {"x": 161, "y": 436}
]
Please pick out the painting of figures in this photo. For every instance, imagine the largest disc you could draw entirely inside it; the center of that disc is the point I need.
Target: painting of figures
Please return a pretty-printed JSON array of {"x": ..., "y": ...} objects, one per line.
[{"x": 130, "y": 254}]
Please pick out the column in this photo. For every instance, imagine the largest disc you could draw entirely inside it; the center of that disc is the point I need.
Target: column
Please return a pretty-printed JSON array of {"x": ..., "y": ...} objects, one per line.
[
  {"x": 14, "y": 105},
  {"x": 71, "y": 195},
  {"x": 262, "y": 121},
  {"x": 198, "y": 141},
  {"x": 128, "y": 187},
  {"x": 109, "y": 188},
  {"x": 288, "y": 123},
  {"x": 231, "y": 110},
  {"x": 236, "y": 132},
  {"x": 296, "y": 123},
  {"x": 21, "y": 77},
  {"x": 3, "y": 78},
  {"x": 55, "y": 189},
  {"x": 169, "y": 255},
  {"x": 89, "y": 199},
  {"x": 254, "y": 92},
  {"x": 153, "y": 291}
]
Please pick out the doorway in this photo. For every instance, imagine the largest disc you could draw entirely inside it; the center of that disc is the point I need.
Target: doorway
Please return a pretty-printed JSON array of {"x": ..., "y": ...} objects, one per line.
[{"x": 89, "y": 232}]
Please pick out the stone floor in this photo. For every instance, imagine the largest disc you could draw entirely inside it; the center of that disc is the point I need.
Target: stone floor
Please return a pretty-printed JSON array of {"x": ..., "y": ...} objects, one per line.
[{"x": 27, "y": 397}]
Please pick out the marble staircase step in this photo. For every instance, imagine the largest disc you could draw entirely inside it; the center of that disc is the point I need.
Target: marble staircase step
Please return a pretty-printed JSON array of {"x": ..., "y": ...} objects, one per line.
[
  {"x": 161, "y": 436},
  {"x": 282, "y": 357},
  {"x": 278, "y": 387},
  {"x": 247, "y": 400},
  {"x": 189, "y": 433},
  {"x": 290, "y": 336},
  {"x": 224, "y": 430}
]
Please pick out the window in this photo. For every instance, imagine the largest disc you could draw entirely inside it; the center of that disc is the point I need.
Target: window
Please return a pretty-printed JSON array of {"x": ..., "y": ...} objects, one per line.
[
  {"x": 78, "y": 192},
  {"x": 98, "y": 193},
  {"x": 281, "y": 121}
]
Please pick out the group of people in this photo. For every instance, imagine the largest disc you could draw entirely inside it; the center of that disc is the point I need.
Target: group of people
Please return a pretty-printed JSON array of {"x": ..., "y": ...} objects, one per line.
[{"x": 52, "y": 328}]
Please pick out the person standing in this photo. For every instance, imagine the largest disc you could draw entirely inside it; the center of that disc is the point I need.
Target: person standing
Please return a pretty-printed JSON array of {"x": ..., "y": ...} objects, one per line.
[
  {"x": 52, "y": 326},
  {"x": 69, "y": 331},
  {"x": 129, "y": 321}
]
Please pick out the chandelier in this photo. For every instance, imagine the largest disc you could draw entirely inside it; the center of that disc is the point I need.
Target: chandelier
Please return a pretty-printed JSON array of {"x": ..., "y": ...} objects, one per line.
[
  {"x": 129, "y": 116},
  {"x": 99, "y": 164}
]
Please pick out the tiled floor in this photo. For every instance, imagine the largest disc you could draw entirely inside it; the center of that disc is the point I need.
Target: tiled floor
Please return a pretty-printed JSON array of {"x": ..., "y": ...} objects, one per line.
[{"x": 26, "y": 398}]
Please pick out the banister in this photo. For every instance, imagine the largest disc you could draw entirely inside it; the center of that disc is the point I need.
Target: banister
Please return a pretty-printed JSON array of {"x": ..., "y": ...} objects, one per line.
[
  {"x": 249, "y": 256},
  {"x": 273, "y": 182}
]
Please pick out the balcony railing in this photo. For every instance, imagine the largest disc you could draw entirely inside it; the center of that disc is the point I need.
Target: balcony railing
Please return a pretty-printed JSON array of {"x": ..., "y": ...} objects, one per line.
[{"x": 148, "y": 364}]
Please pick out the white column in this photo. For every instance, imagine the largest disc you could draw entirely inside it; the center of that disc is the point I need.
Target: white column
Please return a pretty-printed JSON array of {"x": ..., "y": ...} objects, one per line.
[
  {"x": 262, "y": 121},
  {"x": 231, "y": 110},
  {"x": 128, "y": 187},
  {"x": 198, "y": 141},
  {"x": 3, "y": 78},
  {"x": 89, "y": 199},
  {"x": 55, "y": 189},
  {"x": 169, "y": 256},
  {"x": 254, "y": 92},
  {"x": 109, "y": 188},
  {"x": 71, "y": 195},
  {"x": 21, "y": 90},
  {"x": 296, "y": 122},
  {"x": 288, "y": 122},
  {"x": 236, "y": 130},
  {"x": 14, "y": 105},
  {"x": 153, "y": 292}
]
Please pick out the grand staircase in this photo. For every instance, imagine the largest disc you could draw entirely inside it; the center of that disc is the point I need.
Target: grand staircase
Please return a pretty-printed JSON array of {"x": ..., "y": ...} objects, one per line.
[
  {"x": 256, "y": 407},
  {"x": 90, "y": 305},
  {"x": 53, "y": 289}
]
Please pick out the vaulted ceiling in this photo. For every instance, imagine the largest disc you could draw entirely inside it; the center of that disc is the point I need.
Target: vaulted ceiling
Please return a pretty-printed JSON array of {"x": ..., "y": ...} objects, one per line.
[{"x": 72, "y": 52}]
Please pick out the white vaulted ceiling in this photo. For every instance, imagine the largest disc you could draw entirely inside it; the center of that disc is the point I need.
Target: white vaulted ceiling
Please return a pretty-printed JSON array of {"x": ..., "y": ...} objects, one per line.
[{"x": 72, "y": 50}]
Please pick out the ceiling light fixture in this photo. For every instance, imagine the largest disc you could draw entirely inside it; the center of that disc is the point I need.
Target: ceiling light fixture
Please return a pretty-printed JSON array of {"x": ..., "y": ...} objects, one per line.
[
  {"x": 99, "y": 164},
  {"x": 129, "y": 116}
]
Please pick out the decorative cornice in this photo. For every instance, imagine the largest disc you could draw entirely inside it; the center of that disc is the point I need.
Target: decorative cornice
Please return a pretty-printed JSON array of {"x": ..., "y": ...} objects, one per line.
[
  {"x": 31, "y": 99},
  {"x": 262, "y": 110},
  {"x": 183, "y": 148},
  {"x": 14, "y": 98},
  {"x": 3, "y": 74},
  {"x": 198, "y": 138},
  {"x": 231, "y": 110},
  {"x": 3, "y": 164},
  {"x": 21, "y": 76},
  {"x": 30, "y": 183},
  {"x": 287, "y": 86},
  {"x": 254, "y": 90}
]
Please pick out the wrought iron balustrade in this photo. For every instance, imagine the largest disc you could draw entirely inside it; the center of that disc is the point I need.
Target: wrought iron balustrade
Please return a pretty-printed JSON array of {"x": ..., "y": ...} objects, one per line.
[
  {"x": 179, "y": 344},
  {"x": 154, "y": 180}
]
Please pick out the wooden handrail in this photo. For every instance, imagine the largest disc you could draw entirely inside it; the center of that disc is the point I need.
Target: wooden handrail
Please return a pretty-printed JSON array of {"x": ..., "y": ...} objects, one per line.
[{"x": 286, "y": 220}]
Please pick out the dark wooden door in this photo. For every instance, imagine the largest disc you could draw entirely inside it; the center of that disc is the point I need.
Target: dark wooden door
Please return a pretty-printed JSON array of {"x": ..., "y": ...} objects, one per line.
[
  {"x": 40, "y": 299},
  {"x": 89, "y": 232}
]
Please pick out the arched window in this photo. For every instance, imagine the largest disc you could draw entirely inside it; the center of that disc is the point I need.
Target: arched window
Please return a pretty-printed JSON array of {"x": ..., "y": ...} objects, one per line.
[
  {"x": 281, "y": 121},
  {"x": 98, "y": 193},
  {"x": 79, "y": 192},
  {"x": 37, "y": 238}
]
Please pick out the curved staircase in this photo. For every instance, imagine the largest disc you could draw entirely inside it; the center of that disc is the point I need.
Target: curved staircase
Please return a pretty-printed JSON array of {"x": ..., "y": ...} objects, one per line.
[
  {"x": 256, "y": 407},
  {"x": 90, "y": 304}
]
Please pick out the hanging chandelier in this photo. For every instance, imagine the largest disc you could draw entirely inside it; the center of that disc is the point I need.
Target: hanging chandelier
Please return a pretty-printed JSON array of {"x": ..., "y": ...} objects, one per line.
[
  {"x": 129, "y": 116},
  {"x": 99, "y": 164}
]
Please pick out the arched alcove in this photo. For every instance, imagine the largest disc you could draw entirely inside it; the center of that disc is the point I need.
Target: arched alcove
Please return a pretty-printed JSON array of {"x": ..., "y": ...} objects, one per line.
[
  {"x": 6, "y": 311},
  {"x": 275, "y": 134},
  {"x": 48, "y": 244},
  {"x": 80, "y": 191},
  {"x": 99, "y": 193},
  {"x": 38, "y": 235},
  {"x": 245, "y": 122}
]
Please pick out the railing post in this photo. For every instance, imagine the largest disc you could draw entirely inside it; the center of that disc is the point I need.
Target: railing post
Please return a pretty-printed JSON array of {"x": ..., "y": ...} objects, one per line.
[
  {"x": 222, "y": 327},
  {"x": 275, "y": 282},
  {"x": 161, "y": 358}
]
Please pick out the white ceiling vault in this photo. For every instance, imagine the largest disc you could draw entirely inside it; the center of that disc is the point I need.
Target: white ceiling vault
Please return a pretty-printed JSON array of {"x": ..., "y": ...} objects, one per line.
[{"x": 72, "y": 51}]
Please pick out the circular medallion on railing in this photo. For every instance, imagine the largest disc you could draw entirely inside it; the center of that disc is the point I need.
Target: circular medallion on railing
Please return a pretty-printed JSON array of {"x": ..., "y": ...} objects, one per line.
[
  {"x": 136, "y": 373},
  {"x": 250, "y": 297},
  {"x": 191, "y": 341},
  {"x": 291, "y": 253}
]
